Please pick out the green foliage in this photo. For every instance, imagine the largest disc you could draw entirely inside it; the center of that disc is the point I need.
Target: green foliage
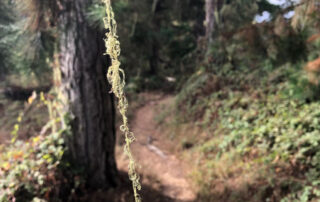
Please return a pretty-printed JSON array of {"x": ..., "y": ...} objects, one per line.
[
  {"x": 26, "y": 39},
  {"x": 95, "y": 14},
  {"x": 267, "y": 115},
  {"x": 253, "y": 98},
  {"x": 264, "y": 5},
  {"x": 300, "y": 88},
  {"x": 30, "y": 170},
  {"x": 236, "y": 13},
  {"x": 157, "y": 37}
]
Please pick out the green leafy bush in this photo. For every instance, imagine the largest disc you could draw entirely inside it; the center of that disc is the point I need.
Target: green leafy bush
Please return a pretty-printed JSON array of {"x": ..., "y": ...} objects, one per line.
[
  {"x": 31, "y": 169},
  {"x": 277, "y": 118}
]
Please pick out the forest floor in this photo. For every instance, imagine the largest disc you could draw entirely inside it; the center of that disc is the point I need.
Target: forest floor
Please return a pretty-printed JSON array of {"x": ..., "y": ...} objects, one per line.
[
  {"x": 163, "y": 161},
  {"x": 165, "y": 177},
  {"x": 161, "y": 169}
]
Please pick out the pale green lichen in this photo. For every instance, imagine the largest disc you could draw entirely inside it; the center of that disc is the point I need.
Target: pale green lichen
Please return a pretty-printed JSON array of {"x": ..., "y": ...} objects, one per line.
[{"x": 116, "y": 78}]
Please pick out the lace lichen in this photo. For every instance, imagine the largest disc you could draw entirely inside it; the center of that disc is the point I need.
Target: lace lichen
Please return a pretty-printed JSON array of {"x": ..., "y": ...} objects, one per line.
[{"x": 116, "y": 78}]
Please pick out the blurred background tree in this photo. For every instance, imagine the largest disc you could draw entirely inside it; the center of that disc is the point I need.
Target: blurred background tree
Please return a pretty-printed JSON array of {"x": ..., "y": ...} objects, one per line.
[{"x": 7, "y": 17}]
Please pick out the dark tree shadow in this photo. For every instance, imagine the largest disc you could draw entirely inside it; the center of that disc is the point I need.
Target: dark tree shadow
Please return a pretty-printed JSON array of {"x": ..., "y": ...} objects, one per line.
[{"x": 124, "y": 193}]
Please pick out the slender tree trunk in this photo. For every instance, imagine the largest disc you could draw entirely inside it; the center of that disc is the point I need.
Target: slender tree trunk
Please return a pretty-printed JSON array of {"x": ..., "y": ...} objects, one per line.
[
  {"x": 153, "y": 61},
  {"x": 210, "y": 18},
  {"x": 154, "y": 49},
  {"x": 84, "y": 84},
  {"x": 199, "y": 27}
]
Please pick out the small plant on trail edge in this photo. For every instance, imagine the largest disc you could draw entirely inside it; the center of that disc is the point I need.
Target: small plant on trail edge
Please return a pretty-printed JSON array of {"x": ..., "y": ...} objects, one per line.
[{"x": 116, "y": 78}]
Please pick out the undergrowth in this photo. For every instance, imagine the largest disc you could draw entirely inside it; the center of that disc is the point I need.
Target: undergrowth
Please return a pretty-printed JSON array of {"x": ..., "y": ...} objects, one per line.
[
  {"x": 30, "y": 169},
  {"x": 268, "y": 126}
]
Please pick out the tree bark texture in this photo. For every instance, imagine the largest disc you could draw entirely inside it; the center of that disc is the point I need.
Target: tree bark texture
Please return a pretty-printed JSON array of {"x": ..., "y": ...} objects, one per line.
[
  {"x": 210, "y": 18},
  {"x": 85, "y": 87}
]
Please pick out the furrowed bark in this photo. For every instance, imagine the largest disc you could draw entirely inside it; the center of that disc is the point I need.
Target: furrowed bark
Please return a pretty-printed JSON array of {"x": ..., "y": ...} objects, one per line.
[{"x": 85, "y": 87}]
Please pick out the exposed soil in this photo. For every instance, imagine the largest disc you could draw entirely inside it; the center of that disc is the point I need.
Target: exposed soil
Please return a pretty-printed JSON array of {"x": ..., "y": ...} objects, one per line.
[{"x": 160, "y": 169}]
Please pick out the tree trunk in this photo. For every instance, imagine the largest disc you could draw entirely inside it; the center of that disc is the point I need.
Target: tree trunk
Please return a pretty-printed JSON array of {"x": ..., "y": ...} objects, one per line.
[
  {"x": 154, "y": 49},
  {"x": 85, "y": 87},
  {"x": 153, "y": 61},
  {"x": 210, "y": 19}
]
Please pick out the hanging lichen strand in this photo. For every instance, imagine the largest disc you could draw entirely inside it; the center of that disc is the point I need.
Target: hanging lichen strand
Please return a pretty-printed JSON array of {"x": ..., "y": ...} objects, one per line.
[{"x": 116, "y": 78}]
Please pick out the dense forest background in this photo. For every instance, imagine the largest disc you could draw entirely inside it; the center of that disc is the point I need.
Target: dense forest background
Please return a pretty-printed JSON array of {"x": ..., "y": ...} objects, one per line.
[{"x": 230, "y": 88}]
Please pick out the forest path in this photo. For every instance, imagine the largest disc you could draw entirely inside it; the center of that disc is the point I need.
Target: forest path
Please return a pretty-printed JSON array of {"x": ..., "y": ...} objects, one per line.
[{"x": 160, "y": 168}]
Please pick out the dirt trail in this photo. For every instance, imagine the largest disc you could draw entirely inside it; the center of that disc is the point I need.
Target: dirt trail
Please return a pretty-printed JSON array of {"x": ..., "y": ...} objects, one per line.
[{"x": 160, "y": 169}]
